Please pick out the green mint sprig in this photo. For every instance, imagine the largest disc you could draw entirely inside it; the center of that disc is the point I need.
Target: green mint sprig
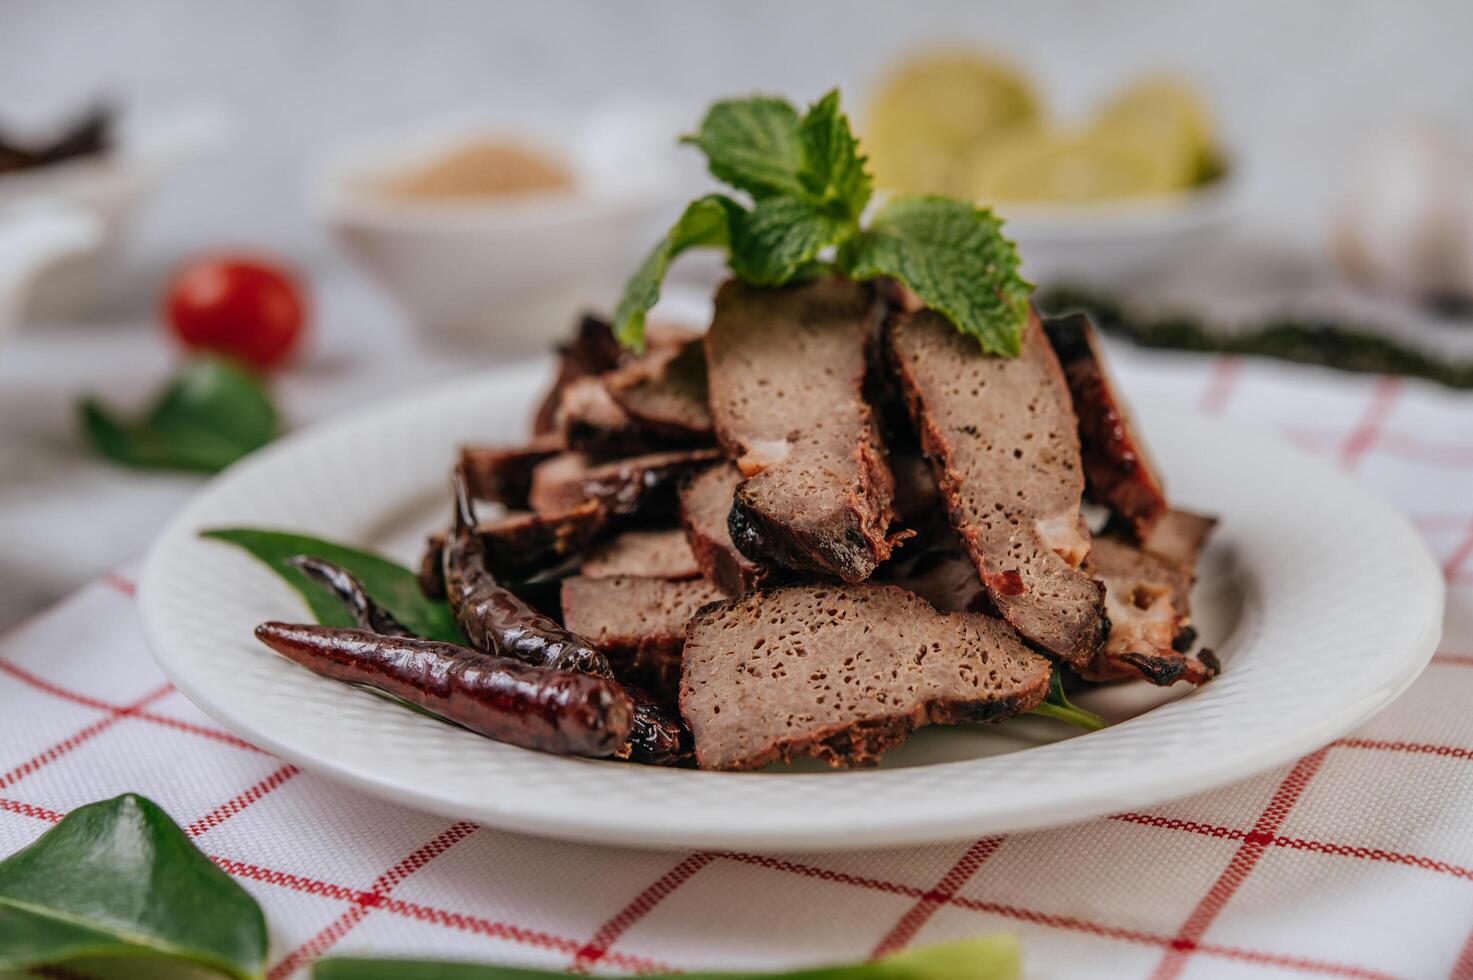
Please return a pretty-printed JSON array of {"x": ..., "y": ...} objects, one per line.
[{"x": 809, "y": 187}]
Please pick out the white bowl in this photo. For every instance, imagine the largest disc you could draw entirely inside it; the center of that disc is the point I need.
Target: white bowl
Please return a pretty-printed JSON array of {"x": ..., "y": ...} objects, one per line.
[
  {"x": 88, "y": 202},
  {"x": 507, "y": 274},
  {"x": 1109, "y": 242}
]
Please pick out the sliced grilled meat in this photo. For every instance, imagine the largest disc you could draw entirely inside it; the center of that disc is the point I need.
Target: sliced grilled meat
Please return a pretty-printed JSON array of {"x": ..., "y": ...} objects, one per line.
[
  {"x": 1179, "y": 536},
  {"x": 592, "y": 351},
  {"x": 663, "y": 553},
  {"x": 637, "y": 485},
  {"x": 520, "y": 545},
  {"x": 590, "y": 421},
  {"x": 1003, "y": 445},
  {"x": 503, "y": 474},
  {"x": 666, "y": 393},
  {"x": 786, "y": 371},
  {"x": 1148, "y": 600},
  {"x": 843, "y": 673},
  {"x": 638, "y": 623},
  {"x": 705, "y": 503},
  {"x": 1117, "y": 469}
]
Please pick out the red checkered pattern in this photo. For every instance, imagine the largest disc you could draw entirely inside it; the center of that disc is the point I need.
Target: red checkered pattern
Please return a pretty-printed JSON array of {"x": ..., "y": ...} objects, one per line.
[{"x": 1355, "y": 861}]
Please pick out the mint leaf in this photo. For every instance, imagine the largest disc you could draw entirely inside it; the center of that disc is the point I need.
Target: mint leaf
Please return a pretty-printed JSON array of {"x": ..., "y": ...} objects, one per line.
[
  {"x": 833, "y": 172},
  {"x": 779, "y": 236},
  {"x": 953, "y": 256},
  {"x": 753, "y": 145},
  {"x": 118, "y": 879},
  {"x": 809, "y": 188},
  {"x": 706, "y": 221},
  {"x": 210, "y": 414}
]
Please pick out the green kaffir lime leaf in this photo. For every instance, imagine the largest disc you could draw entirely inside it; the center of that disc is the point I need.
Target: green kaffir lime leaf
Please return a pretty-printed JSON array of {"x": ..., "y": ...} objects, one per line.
[{"x": 118, "y": 878}]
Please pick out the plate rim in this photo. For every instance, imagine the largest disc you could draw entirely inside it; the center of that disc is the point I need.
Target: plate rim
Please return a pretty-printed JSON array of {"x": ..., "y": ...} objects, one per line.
[{"x": 1145, "y": 787}]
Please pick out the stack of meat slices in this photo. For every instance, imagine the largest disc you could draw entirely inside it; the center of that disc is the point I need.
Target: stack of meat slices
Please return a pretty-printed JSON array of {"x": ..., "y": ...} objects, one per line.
[{"x": 830, "y": 521}]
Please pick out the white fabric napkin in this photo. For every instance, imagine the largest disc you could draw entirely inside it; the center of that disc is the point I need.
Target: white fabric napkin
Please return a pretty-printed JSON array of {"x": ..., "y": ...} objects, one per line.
[{"x": 1356, "y": 861}]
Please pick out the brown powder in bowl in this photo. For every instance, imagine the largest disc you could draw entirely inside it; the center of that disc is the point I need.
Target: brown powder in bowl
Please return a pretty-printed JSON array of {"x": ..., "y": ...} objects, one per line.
[{"x": 485, "y": 168}]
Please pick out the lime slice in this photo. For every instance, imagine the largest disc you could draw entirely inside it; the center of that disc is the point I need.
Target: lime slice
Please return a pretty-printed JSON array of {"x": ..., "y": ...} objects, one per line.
[
  {"x": 1041, "y": 166},
  {"x": 932, "y": 110},
  {"x": 1164, "y": 115}
]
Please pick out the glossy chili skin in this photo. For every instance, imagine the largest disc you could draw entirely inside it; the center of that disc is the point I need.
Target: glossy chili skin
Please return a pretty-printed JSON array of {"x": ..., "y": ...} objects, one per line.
[
  {"x": 655, "y": 736},
  {"x": 494, "y": 619},
  {"x": 368, "y": 614},
  {"x": 555, "y": 711}
]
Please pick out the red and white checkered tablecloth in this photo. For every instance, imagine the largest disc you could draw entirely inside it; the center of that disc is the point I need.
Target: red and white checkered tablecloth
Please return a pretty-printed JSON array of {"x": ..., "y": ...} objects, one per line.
[{"x": 1356, "y": 861}]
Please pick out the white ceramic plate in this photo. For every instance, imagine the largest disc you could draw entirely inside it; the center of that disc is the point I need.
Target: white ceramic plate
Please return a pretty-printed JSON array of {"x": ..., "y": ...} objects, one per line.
[{"x": 1321, "y": 600}]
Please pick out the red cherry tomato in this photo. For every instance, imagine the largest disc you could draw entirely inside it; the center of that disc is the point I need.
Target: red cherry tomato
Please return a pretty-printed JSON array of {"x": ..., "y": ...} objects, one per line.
[{"x": 240, "y": 307}]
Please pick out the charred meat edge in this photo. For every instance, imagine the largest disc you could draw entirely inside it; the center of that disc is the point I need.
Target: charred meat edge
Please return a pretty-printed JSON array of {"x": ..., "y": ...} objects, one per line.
[{"x": 1117, "y": 468}]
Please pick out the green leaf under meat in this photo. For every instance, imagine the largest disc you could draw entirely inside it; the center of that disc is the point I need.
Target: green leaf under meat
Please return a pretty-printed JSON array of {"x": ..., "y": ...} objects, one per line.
[{"x": 391, "y": 585}]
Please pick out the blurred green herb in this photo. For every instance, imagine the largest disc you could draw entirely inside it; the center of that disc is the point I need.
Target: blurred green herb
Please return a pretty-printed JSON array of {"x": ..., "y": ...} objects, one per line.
[
  {"x": 809, "y": 187},
  {"x": 120, "y": 879},
  {"x": 1342, "y": 347},
  {"x": 991, "y": 958},
  {"x": 210, "y": 414}
]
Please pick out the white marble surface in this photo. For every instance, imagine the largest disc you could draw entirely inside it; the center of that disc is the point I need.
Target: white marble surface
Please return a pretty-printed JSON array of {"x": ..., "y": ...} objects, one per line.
[{"x": 1297, "y": 88}]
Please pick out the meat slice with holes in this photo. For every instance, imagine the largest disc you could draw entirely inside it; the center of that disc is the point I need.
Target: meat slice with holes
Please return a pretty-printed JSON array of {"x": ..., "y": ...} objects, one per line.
[
  {"x": 705, "y": 504},
  {"x": 1148, "y": 600},
  {"x": 786, "y": 371},
  {"x": 666, "y": 392},
  {"x": 1003, "y": 445},
  {"x": 504, "y": 473},
  {"x": 843, "y": 673},
  {"x": 638, "y": 623},
  {"x": 663, "y": 553},
  {"x": 637, "y": 485},
  {"x": 1118, "y": 471}
]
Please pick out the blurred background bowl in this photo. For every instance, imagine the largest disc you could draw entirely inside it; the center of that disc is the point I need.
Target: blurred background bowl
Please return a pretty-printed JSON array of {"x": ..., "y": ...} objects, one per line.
[
  {"x": 104, "y": 190},
  {"x": 503, "y": 272},
  {"x": 1108, "y": 243}
]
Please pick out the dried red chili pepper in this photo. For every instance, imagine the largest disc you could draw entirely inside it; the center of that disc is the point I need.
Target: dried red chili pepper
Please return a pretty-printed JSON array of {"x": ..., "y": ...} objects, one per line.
[
  {"x": 655, "y": 737},
  {"x": 368, "y": 614},
  {"x": 556, "y": 711},
  {"x": 494, "y": 619},
  {"x": 499, "y": 622}
]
